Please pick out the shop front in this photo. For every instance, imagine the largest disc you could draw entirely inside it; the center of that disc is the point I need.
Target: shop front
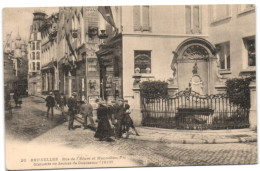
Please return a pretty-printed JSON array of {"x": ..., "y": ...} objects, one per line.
[
  {"x": 110, "y": 62},
  {"x": 49, "y": 77}
]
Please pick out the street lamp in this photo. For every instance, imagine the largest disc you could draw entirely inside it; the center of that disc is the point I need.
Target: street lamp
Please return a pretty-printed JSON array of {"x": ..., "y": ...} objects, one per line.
[{"x": 102, "y": 36}]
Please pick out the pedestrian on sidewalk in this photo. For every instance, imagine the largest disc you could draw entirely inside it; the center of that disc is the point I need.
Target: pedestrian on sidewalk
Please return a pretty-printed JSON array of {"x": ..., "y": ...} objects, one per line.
[
  {"x": 87, "y": 112},
  {"x": 119, "y": 113},
  {"x": 127, "y": 122},
  {"x": 105, "y": 127},
  {"x": 50, "y": 103},
  {"x": 72, "y": 105},
  {"x": 16, "y": 97},
  {"x": 63, "y": 103}
]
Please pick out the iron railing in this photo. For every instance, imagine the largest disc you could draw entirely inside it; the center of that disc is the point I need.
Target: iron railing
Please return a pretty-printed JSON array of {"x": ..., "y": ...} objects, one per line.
[{"x": 190, "y": 110}]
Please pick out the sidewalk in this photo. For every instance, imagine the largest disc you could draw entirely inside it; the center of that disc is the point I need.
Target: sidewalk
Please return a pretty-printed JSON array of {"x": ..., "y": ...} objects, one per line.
[
  {"x": 189, "y": 136},
  {"x": 195, "y": 136}
]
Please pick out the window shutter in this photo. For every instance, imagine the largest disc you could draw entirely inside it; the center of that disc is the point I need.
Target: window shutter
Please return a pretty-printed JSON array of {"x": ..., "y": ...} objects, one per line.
[
  {"x": 196, "y": 19},
  {"x": 146, "y": 22},
  {"x": 136, "y": 18},
  {"x": 188, "y": 19}
]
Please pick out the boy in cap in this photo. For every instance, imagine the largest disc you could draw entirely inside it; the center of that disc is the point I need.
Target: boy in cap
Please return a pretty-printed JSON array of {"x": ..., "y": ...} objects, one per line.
[
  {"x": 127, "y": 122},
  {"x": 72, "y": 105}
]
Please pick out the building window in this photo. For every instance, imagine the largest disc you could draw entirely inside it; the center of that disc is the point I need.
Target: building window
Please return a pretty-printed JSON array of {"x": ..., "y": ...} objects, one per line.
[
  {"x": 142, "y": 61},
  {"x": 246, "y": 7},
  {"x": 33, "y": 66},
  {"x": 38, "y": 66},
  {"x": 38, "y": 45},
  {"x": 193, "y": 19},
  {"x": 33, "y": 46},
  {"x": 250, "y": 47},
  {"x": 33, "y": 55},
  {"x": 224, "y": 55},
  {"x": 38, "y": 55},
  {"x": 141, "y": 18},
  {"x": 220, "y": 12}
]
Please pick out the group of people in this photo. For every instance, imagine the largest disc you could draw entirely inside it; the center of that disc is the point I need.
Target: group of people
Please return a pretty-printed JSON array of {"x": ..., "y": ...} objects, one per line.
[
  {"x": 59, "y": 101},
  {"x": 113, "y": 120}
]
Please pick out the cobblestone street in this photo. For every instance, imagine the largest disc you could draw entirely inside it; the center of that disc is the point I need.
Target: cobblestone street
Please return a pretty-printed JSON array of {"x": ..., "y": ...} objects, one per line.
[{"x": 29, "y": 124}]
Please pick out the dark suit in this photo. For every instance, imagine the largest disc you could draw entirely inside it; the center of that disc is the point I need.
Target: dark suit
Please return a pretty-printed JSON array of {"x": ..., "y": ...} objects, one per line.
[
  {"x": 72, "y": 105},
  {"x": 119, "y": 114},
  {"x": 50, "y": 103}
]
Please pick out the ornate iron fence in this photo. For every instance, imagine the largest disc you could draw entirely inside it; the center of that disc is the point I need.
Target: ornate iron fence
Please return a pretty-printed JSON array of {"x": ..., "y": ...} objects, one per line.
[{"x": 190, "y": 110}]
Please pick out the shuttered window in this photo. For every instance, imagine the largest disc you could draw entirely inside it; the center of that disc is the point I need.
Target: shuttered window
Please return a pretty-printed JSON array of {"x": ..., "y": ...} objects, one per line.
[
  {"x": 188, "y": 19},
  {"x": 193, "y": 19},
  {"x": 196, "y": 19},
  {"x": 146, "y": 22},
  {"x": 141, "y": 18},
  {"x": 137, "y": 21}
]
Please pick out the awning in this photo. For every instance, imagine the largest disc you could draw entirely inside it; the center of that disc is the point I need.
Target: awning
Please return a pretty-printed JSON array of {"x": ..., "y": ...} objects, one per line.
[
  {"x": 49, "y": 65},
  {"x": 110, "y": 46}
]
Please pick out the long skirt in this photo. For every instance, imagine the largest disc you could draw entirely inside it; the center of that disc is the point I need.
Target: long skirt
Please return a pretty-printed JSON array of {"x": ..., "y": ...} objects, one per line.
[{"x": 104, "y": 129}]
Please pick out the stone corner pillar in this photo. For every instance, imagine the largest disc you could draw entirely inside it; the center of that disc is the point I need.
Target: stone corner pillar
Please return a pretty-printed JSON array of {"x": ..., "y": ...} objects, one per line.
[
  {"x": 253, "y": 113},
  {"x": 136, "y": 110}
]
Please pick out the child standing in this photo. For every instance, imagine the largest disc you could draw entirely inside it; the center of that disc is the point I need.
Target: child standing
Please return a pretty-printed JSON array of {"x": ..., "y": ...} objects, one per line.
[{"x": 128, "y": 122}]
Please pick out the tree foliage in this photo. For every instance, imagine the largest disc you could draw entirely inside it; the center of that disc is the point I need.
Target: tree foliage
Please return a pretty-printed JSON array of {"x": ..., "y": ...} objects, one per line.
[
  {"x": 238, "y": 91},
  {"x": 154, "y": 89}
]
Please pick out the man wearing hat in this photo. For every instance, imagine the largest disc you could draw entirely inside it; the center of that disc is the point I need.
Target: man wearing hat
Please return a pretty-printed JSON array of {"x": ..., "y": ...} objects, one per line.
[
  {"x": 87, "y": 111},
  {"x": 50, "y": 103},
  {"x": 72, "y": 105}
]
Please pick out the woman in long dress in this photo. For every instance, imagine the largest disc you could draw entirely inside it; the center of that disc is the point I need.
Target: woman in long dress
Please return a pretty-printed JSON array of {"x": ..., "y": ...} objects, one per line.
[{"x": 104, "y": 128}]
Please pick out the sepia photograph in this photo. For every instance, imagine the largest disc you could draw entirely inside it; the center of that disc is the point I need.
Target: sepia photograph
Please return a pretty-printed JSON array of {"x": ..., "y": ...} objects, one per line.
[{"x": 129, "y": 86}]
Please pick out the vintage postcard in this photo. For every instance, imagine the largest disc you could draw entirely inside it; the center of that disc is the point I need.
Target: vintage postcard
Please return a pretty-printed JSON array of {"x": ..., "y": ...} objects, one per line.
[{"x": 129, "y": 86}]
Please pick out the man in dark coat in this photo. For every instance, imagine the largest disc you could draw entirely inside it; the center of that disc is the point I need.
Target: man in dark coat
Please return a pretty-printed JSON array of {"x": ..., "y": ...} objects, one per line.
[
  {"x": 104, "y": 129},
  {"x": 50, "y": 103},
  {"x": 16, "y": 97},
  {"x": 119, "y": 114},
  {"x": 72, "y": 105}
]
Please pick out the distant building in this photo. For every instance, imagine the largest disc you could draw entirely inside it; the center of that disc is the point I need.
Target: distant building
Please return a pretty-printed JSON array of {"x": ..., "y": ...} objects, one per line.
[
  {"x": 15, "y": 64},
  {"x": 34, "y": 54}
]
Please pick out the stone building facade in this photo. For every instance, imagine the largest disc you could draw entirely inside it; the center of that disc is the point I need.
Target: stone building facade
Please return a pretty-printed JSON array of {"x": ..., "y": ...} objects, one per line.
[
  {"x": 49, "y": 68},
  {"x": 167, "y": 42},
  {"x": 34, "y": 54}
]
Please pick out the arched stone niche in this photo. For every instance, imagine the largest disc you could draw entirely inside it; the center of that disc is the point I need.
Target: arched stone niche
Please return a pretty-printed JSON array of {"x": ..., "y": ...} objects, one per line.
[{"x": 193, "y": 53}]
